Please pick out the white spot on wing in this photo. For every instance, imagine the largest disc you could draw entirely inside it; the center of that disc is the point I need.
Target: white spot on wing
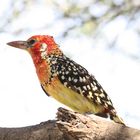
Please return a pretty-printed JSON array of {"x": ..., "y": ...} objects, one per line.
[
  {"x": 98, "y": 100},
  {"x": 90, "y": 93},
  {"x": 75, "y": 73},
  {"x": 67, "y": 72},
  {"x": 92, "y": 85},
  {"x": 101, "y": 89},
  {"x": 94, "y": 88},
  {"x": 81, "y": 79},
  {"x": 84, "y": 87},
  {"x": 79, "y": 88},
  {"x": 69, "y": 78},
  {"x": 109, "y": 103},
  {"x": 54, "y": 62},
  {"x": 84, "y": 79},
  {"x": 62, "y": 77},
  {"x": 102, "y": 95},
  {"x": 75, "y": 80},
  {"x": 88, "y": 87}
]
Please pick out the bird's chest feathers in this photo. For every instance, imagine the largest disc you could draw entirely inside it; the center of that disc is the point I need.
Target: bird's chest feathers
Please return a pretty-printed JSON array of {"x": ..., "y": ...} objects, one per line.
[
  {"x": 42, "y": 71},
  {"x": 41, "y": 65},
  {"x": 42, "y": 68}
]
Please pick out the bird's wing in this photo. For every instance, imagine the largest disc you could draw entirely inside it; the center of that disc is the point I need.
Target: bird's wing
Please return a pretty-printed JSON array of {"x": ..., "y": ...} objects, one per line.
[{"x": 77, "y": 78}]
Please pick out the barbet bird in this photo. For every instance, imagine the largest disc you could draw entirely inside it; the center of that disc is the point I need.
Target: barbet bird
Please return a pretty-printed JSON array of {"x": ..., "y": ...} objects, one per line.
[{"x": 65, "y": 80}]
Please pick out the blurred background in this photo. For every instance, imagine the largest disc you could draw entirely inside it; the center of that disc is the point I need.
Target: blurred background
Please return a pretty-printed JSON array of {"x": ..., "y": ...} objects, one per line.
[{"x": 101, "y": 35}]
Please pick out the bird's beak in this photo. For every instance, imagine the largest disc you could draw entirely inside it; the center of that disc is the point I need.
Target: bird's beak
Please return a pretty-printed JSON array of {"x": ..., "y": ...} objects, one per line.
[{"x": 18, "y": 44}]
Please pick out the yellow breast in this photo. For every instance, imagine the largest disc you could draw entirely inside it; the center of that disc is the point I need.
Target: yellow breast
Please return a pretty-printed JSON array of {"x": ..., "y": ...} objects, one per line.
[{"x": 71, "y": 99}]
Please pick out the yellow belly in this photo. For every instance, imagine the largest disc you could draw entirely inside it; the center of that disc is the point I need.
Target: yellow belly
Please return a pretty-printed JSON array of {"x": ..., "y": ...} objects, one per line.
[{"x": 71, "y": 99}]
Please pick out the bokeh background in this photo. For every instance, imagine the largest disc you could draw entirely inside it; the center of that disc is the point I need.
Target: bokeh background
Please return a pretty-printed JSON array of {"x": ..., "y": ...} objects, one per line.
[{"x": 101, "y": 35}]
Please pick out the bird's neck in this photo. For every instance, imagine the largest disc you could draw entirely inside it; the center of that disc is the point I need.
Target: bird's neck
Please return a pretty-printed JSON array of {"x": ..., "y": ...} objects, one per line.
[
  {"x": 42, "y": 68},
  {"x": 42, "y": 61}
]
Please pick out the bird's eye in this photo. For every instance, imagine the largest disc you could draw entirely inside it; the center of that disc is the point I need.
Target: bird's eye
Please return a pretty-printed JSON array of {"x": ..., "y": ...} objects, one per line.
[{"x": 31, "y": 42}]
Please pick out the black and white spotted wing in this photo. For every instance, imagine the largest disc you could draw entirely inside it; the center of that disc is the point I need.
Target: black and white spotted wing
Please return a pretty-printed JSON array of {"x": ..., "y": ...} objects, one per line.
[{"x": 77, "y": 78}]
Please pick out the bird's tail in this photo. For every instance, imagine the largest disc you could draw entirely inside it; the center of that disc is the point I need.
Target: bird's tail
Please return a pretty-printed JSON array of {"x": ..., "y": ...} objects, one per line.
[{"x": 116, "y": 119}]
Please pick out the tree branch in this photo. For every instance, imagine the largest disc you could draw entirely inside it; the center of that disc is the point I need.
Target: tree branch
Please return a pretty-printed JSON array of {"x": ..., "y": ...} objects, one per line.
[{"x": 72, "y": 126}]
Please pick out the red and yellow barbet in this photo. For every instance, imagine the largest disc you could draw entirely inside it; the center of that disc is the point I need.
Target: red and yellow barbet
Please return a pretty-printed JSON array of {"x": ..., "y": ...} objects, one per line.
[{"x": 65, "y": 80}]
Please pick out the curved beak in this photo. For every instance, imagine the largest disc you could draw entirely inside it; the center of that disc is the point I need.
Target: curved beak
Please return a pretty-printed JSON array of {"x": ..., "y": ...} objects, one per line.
[{"x": 18, "y": 44}]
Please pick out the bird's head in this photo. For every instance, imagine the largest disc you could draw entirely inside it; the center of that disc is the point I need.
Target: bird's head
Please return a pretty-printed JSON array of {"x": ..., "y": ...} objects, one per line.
[{"x": 37, "y": 44}]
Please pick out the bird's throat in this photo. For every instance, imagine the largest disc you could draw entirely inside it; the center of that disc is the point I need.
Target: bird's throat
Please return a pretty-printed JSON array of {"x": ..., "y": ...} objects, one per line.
[{"x": 41, "y": 66}]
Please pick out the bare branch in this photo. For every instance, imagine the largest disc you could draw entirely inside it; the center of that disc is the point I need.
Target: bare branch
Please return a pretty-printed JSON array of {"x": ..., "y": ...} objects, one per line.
[{"x": 72, "y": 126}]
